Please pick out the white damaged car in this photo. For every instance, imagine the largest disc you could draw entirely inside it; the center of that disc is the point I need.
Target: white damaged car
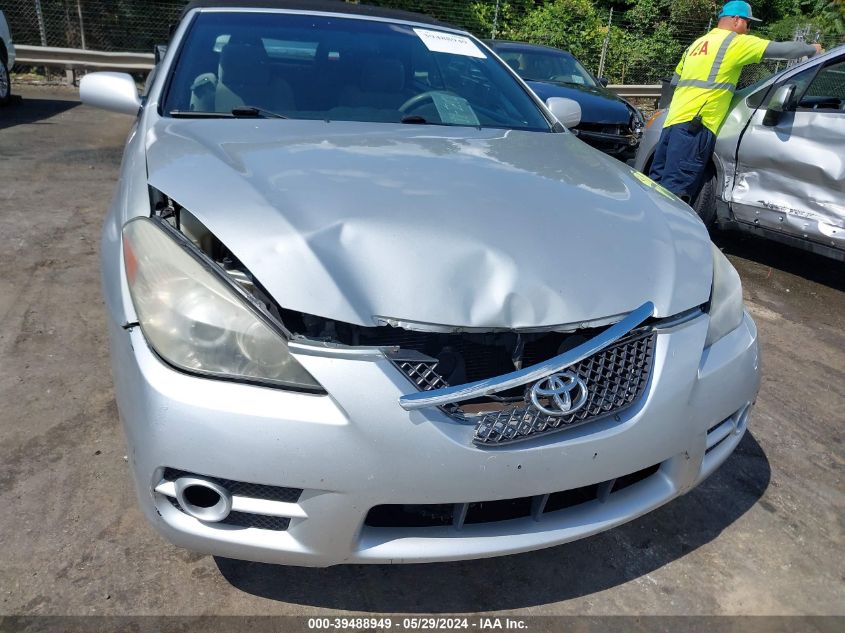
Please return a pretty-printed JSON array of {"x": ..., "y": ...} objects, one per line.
[{"x": 370, "y": 302}]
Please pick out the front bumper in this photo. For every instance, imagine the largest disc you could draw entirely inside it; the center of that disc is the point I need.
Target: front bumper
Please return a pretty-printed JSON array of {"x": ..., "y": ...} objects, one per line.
[{"x": 356, "y": 449}]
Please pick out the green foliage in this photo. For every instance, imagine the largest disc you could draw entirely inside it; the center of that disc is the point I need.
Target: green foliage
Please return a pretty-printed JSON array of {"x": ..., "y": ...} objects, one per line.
[
  {"x": 689, "y": 12},
  {"x": 457, "y": 13},
  {"x": 633, "y": 58},
  {"x": 832, "y": 14},
  {"x": 510, "y": 13},
  {"x": 784, "y": 29},
  {"x": 572, "y": 25}
]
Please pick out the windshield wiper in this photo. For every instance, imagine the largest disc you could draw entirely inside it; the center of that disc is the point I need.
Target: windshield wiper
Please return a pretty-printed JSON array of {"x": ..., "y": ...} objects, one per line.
[
  {"x": 191, "y": 114},
  {"x": 252, "y": 111},
  {"x": 236, "y": 113}
]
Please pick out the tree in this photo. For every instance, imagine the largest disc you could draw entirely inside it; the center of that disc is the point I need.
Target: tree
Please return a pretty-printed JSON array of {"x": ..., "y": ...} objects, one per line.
[{"x": 572, "y": 25}]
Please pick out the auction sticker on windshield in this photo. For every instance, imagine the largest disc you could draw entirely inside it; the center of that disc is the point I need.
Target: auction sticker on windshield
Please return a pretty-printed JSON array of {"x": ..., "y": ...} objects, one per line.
[{"x": 440, "y": 42}]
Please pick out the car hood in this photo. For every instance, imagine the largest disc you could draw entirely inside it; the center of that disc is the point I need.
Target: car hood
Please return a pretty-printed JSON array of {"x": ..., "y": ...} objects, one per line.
[
  {"x": 462, "y": 227},
  {"x": 598, "y": 105}
]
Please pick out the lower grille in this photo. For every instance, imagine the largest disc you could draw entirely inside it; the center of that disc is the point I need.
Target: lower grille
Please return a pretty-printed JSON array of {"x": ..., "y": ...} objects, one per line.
[
  {"x": 243, "y": 488},
  {"x": 460, "y": 514},
  {"x": 247, "y": 520},
  {"x": 617, "y": 129},
  {"x": 720, "y": 432}
]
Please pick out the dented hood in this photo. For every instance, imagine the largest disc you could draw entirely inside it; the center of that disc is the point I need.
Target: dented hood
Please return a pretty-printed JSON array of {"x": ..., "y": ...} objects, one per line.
[{"x": 471, "y": 228}]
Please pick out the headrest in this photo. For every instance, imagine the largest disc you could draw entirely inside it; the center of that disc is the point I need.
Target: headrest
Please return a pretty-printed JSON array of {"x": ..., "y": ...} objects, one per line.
[
  {"x": 243, "y": 64},
  {"x": 382, "y": 75}
]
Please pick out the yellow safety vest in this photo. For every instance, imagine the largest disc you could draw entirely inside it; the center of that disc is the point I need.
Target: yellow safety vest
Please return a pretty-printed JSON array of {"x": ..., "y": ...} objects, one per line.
[{"x": 709, "y": 71}]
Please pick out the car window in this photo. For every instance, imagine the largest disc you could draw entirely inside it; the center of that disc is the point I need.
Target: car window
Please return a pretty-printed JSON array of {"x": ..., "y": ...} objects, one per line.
[
  {"x": 827, "y": 89},
  {"x": 344, "y": 68},
  {"x": 801, "y": 81},
  {"x": 547, "y": 66}
]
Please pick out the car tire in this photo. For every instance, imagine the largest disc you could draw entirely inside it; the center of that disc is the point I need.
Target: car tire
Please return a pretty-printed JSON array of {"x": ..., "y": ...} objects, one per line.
[
  {"x": 705, "y": 202},
  {"x": 5, "y": 83}
]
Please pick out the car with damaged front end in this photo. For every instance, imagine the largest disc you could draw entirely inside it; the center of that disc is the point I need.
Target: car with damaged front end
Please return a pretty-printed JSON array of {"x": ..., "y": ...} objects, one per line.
[
  {"x": 370, "y": 302},
  {"x": 778, "y": 167},
  {"x": 608, "y": 122}
]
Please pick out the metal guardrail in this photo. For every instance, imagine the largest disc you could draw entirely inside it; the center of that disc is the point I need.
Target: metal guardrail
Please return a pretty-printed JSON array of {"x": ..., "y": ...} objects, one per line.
[
  {"x": 633, "y": 91},
  {"x": 79, "y": 59}
]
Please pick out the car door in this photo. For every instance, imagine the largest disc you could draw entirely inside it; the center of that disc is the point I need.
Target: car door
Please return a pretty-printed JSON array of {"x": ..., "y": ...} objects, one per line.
[{"x": 790, "y": 176}]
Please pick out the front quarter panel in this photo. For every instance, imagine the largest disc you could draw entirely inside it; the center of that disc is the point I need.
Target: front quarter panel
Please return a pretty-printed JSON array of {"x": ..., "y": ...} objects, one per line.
[
  {"x": 131, "y": 200},
  {"x": 132, "y": 197}
]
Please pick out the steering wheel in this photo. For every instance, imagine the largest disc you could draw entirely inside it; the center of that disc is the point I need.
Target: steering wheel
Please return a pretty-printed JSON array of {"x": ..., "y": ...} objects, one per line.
[{"x": 424, "y": 97}]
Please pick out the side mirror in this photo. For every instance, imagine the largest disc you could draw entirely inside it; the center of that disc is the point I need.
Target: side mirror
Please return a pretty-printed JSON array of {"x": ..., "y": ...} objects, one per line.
[
  {"x": 603, "y": 81},
  {"x": 567, "y": 111},
  {"x": 778, "y": 104},
  {"x": 111, "y": 91}
]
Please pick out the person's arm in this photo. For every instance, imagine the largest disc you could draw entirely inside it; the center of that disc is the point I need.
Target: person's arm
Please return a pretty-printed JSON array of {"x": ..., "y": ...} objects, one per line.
[{"x": 790, "y": 50}]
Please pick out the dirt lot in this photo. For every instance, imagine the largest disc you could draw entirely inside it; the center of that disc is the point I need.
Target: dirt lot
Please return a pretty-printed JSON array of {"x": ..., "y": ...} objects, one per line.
[{"x": 764, "y": 535}]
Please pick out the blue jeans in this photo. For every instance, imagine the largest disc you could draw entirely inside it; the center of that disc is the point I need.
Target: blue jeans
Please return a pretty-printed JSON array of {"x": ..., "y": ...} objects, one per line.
[{"x": 681, "y": 158}]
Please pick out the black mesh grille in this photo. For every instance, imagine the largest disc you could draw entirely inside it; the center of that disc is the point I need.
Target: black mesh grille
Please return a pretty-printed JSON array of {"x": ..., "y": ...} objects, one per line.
[
  {"x": 422, "y": 374},
  {"x": 242, "y": 488},
  {"x": 245, "y": 519},
  {"x": 260, "y": 521}
]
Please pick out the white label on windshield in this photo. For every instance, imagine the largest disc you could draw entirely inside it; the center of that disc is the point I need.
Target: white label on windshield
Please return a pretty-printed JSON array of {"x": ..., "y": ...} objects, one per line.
[{"x": 440, "y": 42}]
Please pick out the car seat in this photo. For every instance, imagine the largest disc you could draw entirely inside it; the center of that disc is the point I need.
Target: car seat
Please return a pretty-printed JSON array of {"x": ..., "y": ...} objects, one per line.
[
  {"x": 244, "y": 78},
  {"x": 381, "y": 84}
]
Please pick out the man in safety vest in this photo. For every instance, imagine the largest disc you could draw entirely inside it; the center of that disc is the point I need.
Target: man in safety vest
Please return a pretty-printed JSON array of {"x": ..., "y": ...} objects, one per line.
[{"x": 705, "y": 81}]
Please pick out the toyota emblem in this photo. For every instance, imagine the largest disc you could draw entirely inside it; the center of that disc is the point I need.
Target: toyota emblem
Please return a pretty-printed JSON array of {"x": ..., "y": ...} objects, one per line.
[{"x": 559, "y": 394}]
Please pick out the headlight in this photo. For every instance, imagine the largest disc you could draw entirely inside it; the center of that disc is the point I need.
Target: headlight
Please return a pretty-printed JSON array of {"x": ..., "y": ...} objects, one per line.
[
  {"x": 196, "y": 321},
  {"x": 725, "y": 299}
]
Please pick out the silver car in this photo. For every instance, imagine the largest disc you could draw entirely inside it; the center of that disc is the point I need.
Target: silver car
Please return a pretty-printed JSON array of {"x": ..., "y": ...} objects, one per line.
[
  {"x": 7, "y": 60},
  {"x": 370, "y": 302},
  {"x": 778, "y": 169}
]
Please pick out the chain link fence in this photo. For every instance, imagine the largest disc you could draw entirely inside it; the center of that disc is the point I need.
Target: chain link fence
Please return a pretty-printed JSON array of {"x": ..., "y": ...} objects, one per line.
[{"x": 639, "y": 46}]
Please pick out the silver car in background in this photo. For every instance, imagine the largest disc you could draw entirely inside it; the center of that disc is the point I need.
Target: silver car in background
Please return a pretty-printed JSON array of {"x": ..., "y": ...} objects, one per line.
[
  {"x": 370, "y": 302},
  {"x": 778, "y": 169},
  {"x": 7, "y": 60}
]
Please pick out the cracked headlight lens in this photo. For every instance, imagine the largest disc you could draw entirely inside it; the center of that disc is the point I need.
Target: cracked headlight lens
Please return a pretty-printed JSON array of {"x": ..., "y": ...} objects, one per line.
[
  {"x": 195, "y": 321},
  {"x": 726, "y": 305}
]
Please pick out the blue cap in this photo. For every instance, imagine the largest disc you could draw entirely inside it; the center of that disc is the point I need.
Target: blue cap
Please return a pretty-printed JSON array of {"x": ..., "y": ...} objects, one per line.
[{"x": 737, "y": 9}]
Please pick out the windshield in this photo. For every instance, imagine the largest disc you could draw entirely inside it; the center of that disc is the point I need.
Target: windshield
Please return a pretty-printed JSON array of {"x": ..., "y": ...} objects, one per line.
[
  {"x": 348, "y": 69},
  {"x": 541, "y": 65}
]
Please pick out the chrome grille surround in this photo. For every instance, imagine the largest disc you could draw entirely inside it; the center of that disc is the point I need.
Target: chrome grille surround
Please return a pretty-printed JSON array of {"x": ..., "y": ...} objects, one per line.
[{"x": 615, "y": 377}]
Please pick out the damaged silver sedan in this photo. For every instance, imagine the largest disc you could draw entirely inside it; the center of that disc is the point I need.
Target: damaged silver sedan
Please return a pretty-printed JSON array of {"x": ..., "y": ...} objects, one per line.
[
  {"x": 370, "y": 302},
  {"x": 778, "y": 169}
]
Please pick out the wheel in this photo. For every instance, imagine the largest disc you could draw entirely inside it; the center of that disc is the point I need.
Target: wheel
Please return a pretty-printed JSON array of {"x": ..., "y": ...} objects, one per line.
[
  {"x": 5, "y": 83},
  {"x": 705, "y": 202}
]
